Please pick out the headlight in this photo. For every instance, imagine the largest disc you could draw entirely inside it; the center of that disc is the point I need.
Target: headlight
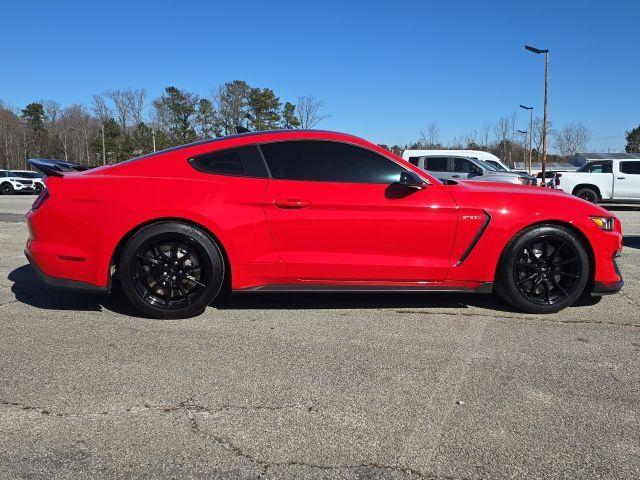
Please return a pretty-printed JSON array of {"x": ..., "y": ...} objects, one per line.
[
  {"x": 605, "y": 223},
  {"x": 523, "y": 180}
]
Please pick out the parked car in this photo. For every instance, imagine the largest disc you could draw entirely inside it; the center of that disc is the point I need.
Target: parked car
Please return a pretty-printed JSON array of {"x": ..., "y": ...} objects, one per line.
[
  {"x": 486, "y": 157},
  {"x": 603, "y": 181},
  {"x": 12, "y": 182},
  {"x": 303, "y": 210},
  {"x": 452, "y": 167},
  {"x": 37, "y": 177}
]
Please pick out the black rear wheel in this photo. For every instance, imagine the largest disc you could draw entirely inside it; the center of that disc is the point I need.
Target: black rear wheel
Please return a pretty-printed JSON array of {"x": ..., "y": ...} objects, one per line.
[
  {"x": 543, "y": 270},
  {"x": 171, "y": 270}
]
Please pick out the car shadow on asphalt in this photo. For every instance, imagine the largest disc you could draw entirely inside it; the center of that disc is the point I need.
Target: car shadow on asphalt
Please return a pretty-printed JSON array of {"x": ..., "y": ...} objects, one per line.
[
  {"x": 29, "y": 289},
  {"x": 631, "y": 241},
  {"x": 621, "y": 208}
]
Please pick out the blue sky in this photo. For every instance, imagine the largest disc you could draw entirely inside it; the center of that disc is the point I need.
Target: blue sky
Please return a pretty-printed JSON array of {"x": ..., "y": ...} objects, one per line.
[{"x": 383, "y": 69}]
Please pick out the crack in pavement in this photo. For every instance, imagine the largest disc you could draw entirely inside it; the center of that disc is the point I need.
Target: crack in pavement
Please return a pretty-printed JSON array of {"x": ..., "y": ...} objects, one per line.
[
  {"x": 265, "y": 465},
  {"x": 310, "y": 406}
]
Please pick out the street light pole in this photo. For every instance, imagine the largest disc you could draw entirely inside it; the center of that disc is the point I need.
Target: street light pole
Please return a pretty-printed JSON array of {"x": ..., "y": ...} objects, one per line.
[
  {"x": 544, "y": 117},
  {"x": 524, "y": 145},
  {"x": 530, "y": 133}
]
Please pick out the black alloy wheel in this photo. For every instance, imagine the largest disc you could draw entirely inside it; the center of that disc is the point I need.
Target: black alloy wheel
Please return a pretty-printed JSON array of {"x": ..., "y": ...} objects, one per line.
[
  {"x": 171, "y": 270},
  {"x": 543, "y": 270},
  {"x": 547, "y": 270}
]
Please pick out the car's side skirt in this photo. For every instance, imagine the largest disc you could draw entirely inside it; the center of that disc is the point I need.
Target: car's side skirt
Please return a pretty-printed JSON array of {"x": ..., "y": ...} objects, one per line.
[{"x": 486, "y": 287}]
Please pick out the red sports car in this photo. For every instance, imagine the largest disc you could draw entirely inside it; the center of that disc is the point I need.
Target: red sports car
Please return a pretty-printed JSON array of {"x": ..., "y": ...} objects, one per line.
[{"x": 300, "y": 210}]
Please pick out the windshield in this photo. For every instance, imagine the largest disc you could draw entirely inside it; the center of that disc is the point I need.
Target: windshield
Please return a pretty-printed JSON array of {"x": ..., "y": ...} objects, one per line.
[
  {"x": 496, "y": 165},
  {"x": 486, "y": 165}
]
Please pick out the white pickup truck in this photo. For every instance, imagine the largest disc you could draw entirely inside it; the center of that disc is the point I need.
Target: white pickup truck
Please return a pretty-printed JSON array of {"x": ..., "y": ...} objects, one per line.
[{"x": 604, "y": 181}]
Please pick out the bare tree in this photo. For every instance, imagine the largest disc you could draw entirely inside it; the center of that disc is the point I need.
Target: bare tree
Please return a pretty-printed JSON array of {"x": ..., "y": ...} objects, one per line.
[
  {"x": 486, "y": 134},
  {"x": 122, "y": 106},
  {"x": 430, "y": 138},
  {"x": 571, "y": 138},
  {"x": 100, "y": 108},
  {"x": 537, "y": 135},
  {"x": 308, "y": 111},
  {"x": 502, "y": 130},
  {"x": 471, "y": 140},
  {"x": 136, "y": 101}
]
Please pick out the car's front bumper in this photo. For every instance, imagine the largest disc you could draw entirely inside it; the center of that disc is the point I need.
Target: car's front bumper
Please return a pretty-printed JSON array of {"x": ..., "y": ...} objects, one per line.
[{"x": 609, "y": 288}]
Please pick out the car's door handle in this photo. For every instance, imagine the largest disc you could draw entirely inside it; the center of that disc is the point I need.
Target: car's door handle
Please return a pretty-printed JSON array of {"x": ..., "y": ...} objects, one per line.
[
  {"x": 455, "y": 176},
  {"x": 621, "y": 178},
  {"x": 291, "y": 203}
]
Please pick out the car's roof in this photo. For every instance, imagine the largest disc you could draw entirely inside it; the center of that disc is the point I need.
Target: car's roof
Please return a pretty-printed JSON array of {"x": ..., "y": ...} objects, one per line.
[
  {"x": 288, "y": 133},
  {"x": 268, "y": 135}
]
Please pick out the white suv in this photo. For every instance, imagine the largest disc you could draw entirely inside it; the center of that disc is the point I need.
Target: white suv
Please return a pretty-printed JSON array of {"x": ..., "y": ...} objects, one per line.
[
  {"x": 12, "y": 182},
  {"x": 37, "y": 177}
]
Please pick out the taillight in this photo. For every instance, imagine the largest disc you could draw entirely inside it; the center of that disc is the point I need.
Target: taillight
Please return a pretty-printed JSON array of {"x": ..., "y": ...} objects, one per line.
[{"x": 40, "y": 199}]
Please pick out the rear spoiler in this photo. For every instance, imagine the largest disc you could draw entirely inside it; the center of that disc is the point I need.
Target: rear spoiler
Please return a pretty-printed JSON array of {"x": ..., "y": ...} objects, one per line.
[{"x": 55, "y": 168}]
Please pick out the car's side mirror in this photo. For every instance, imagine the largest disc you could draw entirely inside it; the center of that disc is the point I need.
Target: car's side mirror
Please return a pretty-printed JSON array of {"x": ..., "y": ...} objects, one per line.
[{"x": 412, "y": 180}]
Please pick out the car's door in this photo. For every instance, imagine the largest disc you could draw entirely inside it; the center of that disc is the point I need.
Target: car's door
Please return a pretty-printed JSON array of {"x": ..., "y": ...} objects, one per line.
[
  {"x": 335, "y": 216},
  {"x": 627, "y": 180},
  {"x": 465, "y": 168}
]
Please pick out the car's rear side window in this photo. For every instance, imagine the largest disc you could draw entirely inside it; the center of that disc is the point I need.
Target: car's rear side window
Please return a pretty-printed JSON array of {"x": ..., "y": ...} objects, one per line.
[
  {"x": 436, "y": 164},
  {"x": 241, "y": 162},
  {"x": 323, "y": 161},
  {"x": 414, "y": 160},
  {"x": 632, "y": 168}
]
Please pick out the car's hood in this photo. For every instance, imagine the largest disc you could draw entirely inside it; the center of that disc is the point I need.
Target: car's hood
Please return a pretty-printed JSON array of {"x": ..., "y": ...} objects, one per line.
[{"x": 500, "y": 196}]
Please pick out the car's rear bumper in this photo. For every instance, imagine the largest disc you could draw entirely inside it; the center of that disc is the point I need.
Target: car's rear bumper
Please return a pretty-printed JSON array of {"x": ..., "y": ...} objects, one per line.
[{"x": 64, "y": 282}]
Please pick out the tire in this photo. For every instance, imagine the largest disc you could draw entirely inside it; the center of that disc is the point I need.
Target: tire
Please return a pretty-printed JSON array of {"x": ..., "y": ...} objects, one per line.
[
  {"x": 6, "y": 189},
  {"x": 170, "y": 270},
  {"x": 543, "y": 270},
  {"x": 588, "y": 194}
]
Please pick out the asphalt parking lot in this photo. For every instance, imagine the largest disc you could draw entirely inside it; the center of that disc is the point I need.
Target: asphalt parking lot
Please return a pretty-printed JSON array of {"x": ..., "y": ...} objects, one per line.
[{"x": 316, "y": 386}]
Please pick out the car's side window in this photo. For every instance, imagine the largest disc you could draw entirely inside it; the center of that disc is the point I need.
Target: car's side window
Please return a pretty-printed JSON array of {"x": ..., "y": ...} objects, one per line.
[
  {"x": 323, "y": 161},
  {"x": 242, "y": 162},
  {"x": 436, "y": 164},
  {"x": 462, "y": 165},
  {"x": 632, "y": 168},
  {"x": 414, "y": 160}
]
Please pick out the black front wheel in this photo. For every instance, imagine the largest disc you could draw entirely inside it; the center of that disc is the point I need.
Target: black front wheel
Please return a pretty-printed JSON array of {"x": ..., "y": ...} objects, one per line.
[
  {"x": 543, "y": 270},
  {"x": 6, "y": 189},
  {"x": 588, "y": 194},
  {"x": 171, "y": 270}
]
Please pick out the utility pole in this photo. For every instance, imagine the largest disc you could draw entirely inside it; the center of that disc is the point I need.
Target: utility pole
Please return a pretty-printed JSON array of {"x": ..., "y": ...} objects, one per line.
[
  {"x": 104, "y": 151},
  {"x": 153, "y": 137},
  {"x": 544, "y": 117},
  {"x": 530, "y": 133}
]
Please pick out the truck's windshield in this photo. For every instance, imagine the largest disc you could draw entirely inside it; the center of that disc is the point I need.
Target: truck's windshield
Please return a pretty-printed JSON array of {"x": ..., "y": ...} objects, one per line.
[{"x": 486, "y": 165}]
